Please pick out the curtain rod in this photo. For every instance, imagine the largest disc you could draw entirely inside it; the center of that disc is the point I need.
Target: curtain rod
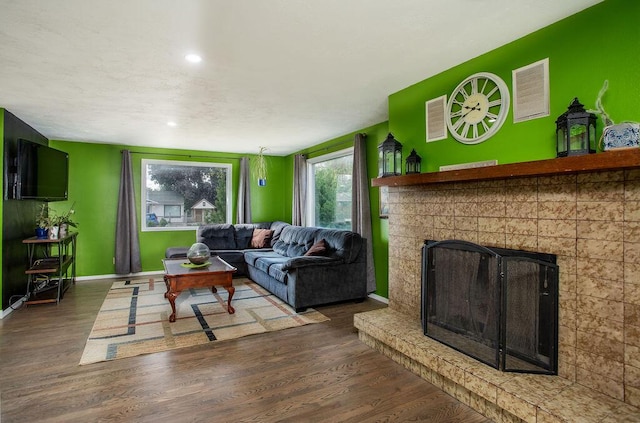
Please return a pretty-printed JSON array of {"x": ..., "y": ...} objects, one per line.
[
  {"x": 191, "y": 156},
  {"x": 331, "y": 146}
]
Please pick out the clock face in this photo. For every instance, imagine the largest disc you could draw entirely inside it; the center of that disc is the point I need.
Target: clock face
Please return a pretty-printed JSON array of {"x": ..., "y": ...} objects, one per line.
[{"x": 477, "y": 108}]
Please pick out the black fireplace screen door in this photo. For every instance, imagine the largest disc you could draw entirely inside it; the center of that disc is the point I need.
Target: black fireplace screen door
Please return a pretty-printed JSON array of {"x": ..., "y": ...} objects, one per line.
[{"x": 498, "y": 306}]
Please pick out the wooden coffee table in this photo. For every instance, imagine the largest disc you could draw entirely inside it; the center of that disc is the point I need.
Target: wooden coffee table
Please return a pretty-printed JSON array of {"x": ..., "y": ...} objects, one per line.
[{"x": 178, "y": 278}]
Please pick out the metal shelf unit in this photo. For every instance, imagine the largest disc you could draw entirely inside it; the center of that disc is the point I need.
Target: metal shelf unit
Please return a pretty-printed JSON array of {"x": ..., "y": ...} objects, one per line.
[{"x": 52, "y": 268}]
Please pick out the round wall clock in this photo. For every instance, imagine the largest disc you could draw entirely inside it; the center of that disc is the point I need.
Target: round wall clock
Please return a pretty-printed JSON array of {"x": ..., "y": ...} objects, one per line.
[{"x": 477, "y": 108}]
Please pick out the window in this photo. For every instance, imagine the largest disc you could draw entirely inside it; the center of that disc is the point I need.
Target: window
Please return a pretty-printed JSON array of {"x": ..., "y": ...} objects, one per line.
[
  {"x": 183, "y": 195},
  {"x": 172, "y": 211},
  {"x": 329, "y": 190}
]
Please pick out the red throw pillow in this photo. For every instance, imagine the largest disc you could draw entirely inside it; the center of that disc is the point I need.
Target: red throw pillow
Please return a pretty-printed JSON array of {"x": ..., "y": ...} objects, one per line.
[
  {"x": 261, "y": 238},
  {"x": 317, "y": 249}
]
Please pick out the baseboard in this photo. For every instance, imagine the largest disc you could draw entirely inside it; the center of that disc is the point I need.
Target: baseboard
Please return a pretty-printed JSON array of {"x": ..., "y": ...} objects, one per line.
[
  {"x": 379, "y": 298},
  {"x": 112, "y": 276},
  {"x": 12, "y": 307}
]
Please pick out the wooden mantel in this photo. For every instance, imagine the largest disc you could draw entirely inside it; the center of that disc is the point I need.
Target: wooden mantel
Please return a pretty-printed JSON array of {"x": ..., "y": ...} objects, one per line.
[{"x": 609, "y": 160}]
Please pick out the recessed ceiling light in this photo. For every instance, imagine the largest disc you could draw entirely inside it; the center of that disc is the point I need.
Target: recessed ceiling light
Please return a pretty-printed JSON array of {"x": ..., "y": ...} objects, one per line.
[
  {"x": 193, "y": 58},
  {"x": 172, "y": 124}
]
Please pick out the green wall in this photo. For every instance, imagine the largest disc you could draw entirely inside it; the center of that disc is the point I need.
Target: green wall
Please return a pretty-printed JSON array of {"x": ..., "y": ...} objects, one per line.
[
  {"x": 94, "y": 175},
  {"x": 380, "y": 227},
  {"x": 599, "y": 43}
]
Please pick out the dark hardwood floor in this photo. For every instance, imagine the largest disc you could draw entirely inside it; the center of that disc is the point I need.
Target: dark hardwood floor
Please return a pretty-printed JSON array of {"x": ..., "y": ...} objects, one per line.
[{"x": 316, "y": 373}]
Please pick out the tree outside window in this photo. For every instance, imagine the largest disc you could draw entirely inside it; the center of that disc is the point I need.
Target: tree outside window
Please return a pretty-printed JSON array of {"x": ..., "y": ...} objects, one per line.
[
  {"x": 329, "y": 190},
  {"x": 183, "y": 195}
]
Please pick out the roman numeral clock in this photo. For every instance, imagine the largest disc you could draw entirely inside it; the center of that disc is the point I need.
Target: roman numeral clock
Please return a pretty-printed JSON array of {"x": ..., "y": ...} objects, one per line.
[{"x": 477, "y": 108}]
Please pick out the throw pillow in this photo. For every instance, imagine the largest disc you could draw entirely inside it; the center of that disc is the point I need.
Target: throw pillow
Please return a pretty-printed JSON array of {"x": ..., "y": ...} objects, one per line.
[
  {"x": 317, "y": 249},
  {"x": 261, "y": 238}
]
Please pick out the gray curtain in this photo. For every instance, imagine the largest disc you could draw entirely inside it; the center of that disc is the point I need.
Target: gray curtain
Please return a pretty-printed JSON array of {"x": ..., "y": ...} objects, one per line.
[
  {"x": 299, "y": 190},
  {"x": 360, "y": 206},
  {"x": 244, "y": 193},
  {"x": 127, "y": 244}
]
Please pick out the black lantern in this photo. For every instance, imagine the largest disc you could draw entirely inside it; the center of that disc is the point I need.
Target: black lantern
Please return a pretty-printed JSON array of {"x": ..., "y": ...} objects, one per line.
[
  {"x": 389, "y": 157},
  {"x": 575, "y": 131},
  {"x": 413, "y": 163}
]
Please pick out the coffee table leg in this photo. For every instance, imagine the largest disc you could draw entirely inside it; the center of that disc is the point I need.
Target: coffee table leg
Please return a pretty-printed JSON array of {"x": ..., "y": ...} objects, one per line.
[
  {"x": 231, "y": 290},
  {"x": 171, "y": 296}
]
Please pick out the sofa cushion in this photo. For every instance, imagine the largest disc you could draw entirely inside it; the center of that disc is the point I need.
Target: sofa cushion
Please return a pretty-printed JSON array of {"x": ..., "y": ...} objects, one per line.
[
  {"x": 261, "y": 238},
  {"x": 317, "y": 249},
  {"x": 295, "y": 241},
  {"x": 176, "y": 252},
  {"x": 308, "y": 261},
  {"x": 243, "y": 234},
  {"x": 217, "y": 237},
  {"x": 272, "y": 266},
  {"x": 251, "y": 256},
  {"x": 276, "y": 272},
  {"x": 277, "y": 228},
  {"x": 232, "y": 257},
  {"x": 340, "y": 243}
]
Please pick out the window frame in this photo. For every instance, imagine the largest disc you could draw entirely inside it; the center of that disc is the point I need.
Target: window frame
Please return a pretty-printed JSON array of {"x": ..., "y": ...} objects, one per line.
[
  {"x": 227, "y": 167},
  {"x": 311, "y": 188}
]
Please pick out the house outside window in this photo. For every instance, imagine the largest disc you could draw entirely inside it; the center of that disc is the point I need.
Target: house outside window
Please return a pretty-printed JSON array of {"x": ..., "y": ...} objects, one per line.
[
  {"x": 329, "y": 182},
  {"x": 178, "y": 195},
  {"x": 172, "y": 210}
]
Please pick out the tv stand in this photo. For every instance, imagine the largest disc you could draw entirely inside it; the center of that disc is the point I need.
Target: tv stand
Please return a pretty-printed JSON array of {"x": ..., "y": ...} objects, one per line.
[{"x": 49, "y": 276}]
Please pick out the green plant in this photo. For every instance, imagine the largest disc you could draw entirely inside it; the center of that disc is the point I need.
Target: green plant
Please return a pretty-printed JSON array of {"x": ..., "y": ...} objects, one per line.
[
  {"x": 42, "y": 218},
  {"x": 260, "y": 165},
  {"x": 599, "y": 110},
  {"x": 47, "y": 218},
  {"x": 67, "y": 217}
]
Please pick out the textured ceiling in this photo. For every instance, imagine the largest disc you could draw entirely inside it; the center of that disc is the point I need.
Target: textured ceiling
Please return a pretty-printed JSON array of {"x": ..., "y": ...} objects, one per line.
[{"x": 282, "y": 74}]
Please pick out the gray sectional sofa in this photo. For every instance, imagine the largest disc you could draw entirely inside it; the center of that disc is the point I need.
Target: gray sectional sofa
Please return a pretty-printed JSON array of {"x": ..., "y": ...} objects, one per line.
[{"x": 335, "y": 272}]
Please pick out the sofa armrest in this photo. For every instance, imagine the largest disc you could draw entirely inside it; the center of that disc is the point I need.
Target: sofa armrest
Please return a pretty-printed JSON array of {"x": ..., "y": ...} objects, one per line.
[
  {"x": 306, "y": 261},
  {"x": 176, "y": 252}
]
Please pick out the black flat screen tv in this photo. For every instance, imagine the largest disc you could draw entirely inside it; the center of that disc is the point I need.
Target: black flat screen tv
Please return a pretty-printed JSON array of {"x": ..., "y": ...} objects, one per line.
[{"x": 42, "y": 172}]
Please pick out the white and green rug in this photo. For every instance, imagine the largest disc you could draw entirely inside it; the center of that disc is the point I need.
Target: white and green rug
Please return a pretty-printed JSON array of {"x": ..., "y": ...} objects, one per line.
[{"x": 134, "y": 318}]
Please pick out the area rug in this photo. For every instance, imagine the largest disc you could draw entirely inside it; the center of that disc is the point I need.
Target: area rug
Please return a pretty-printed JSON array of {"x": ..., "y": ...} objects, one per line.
[{"x": 134, "y": 318}]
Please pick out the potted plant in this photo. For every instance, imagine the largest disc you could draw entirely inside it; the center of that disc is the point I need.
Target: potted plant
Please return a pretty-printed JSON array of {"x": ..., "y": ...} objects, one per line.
[
  {"x": 260, "y": 167},
  {"x": 42, "y": 222},
  {"x": 621, "y": 135},
  {"x": 65, "y": 221},
  {"x": 52, "y": 225}
]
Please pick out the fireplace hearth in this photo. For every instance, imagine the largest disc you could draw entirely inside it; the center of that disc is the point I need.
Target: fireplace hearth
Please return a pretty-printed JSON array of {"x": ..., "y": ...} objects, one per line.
[{"x": 499, "y": 306}]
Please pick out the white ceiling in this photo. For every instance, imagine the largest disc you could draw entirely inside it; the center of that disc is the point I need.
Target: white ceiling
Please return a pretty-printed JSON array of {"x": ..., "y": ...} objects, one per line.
[{"x": 282, "y": 74}]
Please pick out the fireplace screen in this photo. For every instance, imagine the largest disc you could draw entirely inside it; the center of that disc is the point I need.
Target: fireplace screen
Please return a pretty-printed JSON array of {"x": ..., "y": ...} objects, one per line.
[{"x": 496, "y": 305}]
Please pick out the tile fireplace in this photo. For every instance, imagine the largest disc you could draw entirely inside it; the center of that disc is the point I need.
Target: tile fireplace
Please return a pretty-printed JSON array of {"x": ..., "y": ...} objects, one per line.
[{"x": 590, "y": 220}]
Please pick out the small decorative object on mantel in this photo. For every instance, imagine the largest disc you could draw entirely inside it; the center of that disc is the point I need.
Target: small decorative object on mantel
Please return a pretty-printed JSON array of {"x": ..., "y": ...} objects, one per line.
[
  {"x": 413, "y": 163},
  {"x": 390, "y": 157},
  {"x": 622, "y": 135},
  {"x": 575, "y": 131}
]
